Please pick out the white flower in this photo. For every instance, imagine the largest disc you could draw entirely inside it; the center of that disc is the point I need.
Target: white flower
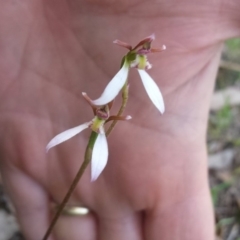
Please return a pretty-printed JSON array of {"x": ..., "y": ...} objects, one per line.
[
  {"x": 100, "y": 149},
  {"x": 116, "y": 84},
  {"x": 136, "y": 58}
]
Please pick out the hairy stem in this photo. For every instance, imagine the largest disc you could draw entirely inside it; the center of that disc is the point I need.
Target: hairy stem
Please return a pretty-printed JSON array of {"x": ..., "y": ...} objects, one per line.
[{"x": 87, "y": 159}]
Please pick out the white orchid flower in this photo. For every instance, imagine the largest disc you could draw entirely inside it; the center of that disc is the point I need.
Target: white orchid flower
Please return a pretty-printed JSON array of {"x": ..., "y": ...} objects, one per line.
[
  {"x": 136, "y": 58},
  {"x": 100, "y": 148}
]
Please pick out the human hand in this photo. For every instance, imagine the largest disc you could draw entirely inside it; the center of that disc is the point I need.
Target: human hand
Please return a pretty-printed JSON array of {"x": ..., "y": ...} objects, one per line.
[{"x": 155, "y": 183}]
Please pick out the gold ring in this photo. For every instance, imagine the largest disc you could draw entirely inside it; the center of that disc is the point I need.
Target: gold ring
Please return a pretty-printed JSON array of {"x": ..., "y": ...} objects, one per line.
[{"x": 74, "y": 210}]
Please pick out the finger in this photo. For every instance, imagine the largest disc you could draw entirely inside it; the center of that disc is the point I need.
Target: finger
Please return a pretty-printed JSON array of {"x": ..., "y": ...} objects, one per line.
[
  {"x": 31, "y": 203},
  {"x": 76, "y": 227},
  {"x": 121, "y": 228},
  {"x": 189, "y": 219}
]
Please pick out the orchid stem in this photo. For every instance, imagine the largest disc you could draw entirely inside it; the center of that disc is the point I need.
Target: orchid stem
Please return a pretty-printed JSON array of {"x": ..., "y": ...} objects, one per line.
[
  {"x": 87, "y": 159},
  {"x": 123, "y": 106}
]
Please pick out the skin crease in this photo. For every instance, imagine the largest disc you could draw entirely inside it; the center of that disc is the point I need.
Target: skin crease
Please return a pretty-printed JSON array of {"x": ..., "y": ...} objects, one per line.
[{"x": 155, "y": 183}]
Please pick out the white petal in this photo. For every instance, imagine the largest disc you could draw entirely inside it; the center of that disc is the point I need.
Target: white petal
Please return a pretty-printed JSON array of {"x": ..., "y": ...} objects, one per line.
[
  {"x": 152, "y": 90},
  {"x": 113, "y": 87},
  {"x": 64, "y": 136},
  {"x": 99, "y": 156}
]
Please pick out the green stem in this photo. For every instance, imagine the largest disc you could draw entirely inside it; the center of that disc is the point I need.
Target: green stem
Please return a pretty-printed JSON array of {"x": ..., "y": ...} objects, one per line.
[
  {"x": 87, "y": 159},
  {"x": 123, "y": 106}
]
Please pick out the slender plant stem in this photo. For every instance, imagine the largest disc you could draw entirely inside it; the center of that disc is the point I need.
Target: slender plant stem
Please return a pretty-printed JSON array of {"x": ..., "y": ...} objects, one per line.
[
  {"x": 124, "y": 103},
  {"x": 87, "y": 159}
]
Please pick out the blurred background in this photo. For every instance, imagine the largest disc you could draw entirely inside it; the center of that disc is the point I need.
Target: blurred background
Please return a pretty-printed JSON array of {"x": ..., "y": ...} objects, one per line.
[{"x": 223, "y": 143}]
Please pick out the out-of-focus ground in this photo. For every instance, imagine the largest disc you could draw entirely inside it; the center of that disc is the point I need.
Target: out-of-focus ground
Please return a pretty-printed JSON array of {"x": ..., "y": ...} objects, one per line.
[
  {"x": 224, "y": 144},
  {"x": 224, "y": 153}
]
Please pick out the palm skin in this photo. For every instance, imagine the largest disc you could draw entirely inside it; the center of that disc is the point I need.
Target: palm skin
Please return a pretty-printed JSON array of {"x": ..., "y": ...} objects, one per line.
[{"x": 155, "y": 184}]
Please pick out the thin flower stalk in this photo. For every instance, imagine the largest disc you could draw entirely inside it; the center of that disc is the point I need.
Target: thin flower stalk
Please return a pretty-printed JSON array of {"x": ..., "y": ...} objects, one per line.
[
  {"x": 87, "y": 159},
  {"x": 122, "y": 108}
]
